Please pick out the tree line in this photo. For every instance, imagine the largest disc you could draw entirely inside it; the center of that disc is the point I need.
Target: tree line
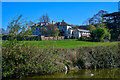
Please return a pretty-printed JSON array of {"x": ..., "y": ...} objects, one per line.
[{"x": 103, "y": 26}]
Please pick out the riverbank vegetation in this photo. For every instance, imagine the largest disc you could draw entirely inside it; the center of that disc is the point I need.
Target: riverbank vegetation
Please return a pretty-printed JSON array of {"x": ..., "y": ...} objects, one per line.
[{"x": 21, "y": 60}]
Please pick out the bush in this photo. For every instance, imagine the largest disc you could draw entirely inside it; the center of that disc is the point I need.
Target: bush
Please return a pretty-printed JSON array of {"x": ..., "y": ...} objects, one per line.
[
  {"x": 22, "y": 38},
  {"x": 100, "y": 34},
  {"x": 20, "y": 60},
  {"x": 99, "y": 57},
  {"x": 17, "y": 62},
  {"x": 66, "y": 37},
  {"x": 31, "y": 38},
  {"x": 80, "y": 63},
  {"x": 73, "y": 37}
]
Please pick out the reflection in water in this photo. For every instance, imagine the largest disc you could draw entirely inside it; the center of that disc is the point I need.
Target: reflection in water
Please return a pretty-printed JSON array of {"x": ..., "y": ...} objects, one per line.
[{"x": 83, "y": 73}]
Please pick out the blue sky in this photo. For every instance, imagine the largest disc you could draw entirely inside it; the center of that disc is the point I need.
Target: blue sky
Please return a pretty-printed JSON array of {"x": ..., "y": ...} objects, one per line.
[
  {"x": 60, "y": 0},
  {"x": 72, "y": 12}
]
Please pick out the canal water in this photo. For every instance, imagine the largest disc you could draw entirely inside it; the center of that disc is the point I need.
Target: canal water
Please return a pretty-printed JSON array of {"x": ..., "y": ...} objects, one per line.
[{"x": 83, "y": 73}]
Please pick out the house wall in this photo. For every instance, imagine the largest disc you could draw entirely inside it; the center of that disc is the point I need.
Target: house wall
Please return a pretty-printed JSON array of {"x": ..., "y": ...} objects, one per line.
[
  {"x": 65, "y": 29},
  {"x": 70, "y": 31},
  {"x": 77, "y": 34},
  {"x": 86, "y": 34}
]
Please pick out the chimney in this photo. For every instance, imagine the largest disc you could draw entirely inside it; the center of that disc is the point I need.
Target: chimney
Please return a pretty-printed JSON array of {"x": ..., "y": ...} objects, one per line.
[
  {"x": 62, "y": 20},
  {"x": 53, "y": 22}
]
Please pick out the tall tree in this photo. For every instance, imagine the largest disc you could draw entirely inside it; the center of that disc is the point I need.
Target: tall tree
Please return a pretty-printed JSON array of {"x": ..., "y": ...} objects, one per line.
[
  {"x": 97, "y": 18},
  {"x": 113, "y": 24}
]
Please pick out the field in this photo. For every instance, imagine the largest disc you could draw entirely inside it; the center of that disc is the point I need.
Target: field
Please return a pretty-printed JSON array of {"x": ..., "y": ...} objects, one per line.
[{"x": 68, "y": 44}]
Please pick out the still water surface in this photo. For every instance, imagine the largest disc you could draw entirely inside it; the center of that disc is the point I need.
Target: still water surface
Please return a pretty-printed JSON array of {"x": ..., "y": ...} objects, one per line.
[{"x": 83, "y": 73}]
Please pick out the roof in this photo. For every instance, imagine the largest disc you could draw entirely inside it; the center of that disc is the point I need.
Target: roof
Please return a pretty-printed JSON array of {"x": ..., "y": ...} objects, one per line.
[
  {"x": 51, "y": 25},
  {"x": 56, "y": 24},
  {"x": 64, "y": 23},
  {"x": 83, "y": 30},
  {"x": 80, "y": 30}
]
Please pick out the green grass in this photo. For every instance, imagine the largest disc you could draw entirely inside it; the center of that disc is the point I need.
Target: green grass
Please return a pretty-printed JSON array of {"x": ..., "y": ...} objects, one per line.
[
  {"x": 0, "y": 39},
  {"x": 69, "y": 44}
]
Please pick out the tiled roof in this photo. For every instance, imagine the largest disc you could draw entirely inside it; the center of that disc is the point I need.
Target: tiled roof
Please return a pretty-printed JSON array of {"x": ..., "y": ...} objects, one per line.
[
  {"x": 56, "y": 24},
  {"x": 64, "y": 23}
]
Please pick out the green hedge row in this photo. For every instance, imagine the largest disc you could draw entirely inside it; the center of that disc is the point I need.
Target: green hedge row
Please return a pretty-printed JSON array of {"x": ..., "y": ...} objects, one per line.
[
  {"x": 21, "y": 38},
  {"x": 98, "y": 57},
  {"x": 21, "y": 60}
]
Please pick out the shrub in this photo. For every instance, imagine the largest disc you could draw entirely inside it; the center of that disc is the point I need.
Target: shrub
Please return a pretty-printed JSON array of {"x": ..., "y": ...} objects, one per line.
[
  {"x": 22, "y": 38},
  {"x": 73, "y": 37},
  {"x": 100, "y": 34},
  {"x": 20, "y": 60},
  {"x": 80, "y": 63},
  {"x": 17, "y": 62},
  {"x": 99, "y": 57},
  {"x": 66, "y": 37}
]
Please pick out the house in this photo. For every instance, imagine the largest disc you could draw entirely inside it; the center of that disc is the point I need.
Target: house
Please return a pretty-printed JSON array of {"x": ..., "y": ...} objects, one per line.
[
  {"x": 78, "y": 33},
  {"x": 36, "y": 29},
  {"x": 64, "y": 28}
]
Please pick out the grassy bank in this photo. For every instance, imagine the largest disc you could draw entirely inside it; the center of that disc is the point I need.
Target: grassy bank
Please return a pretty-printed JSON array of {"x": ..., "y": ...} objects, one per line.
[
  {"x": 22, "y": 60},
  {"x": 67, "y": 44}
]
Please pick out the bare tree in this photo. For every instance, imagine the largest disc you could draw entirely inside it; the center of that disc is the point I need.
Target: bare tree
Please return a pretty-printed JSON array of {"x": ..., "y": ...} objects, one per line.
[
  {"x": 45, "y": 18},
  {"x": 97, "y": 18}
]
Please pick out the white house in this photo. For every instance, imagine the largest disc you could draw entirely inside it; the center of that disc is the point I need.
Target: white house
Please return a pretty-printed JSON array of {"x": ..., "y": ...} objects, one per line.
[
  {"x": 78, "y": 32},
  {"x": 64, "y": 28}
]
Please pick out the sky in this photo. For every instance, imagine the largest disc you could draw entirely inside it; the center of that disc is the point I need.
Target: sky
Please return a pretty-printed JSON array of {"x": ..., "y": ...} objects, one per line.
[
  {"x": 60, "y": 0},
  {"x": 71, "y": 12}
]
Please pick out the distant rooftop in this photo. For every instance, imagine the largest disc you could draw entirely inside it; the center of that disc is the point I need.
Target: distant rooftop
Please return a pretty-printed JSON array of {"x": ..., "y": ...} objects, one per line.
[{"x": 53, "y": 23}]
